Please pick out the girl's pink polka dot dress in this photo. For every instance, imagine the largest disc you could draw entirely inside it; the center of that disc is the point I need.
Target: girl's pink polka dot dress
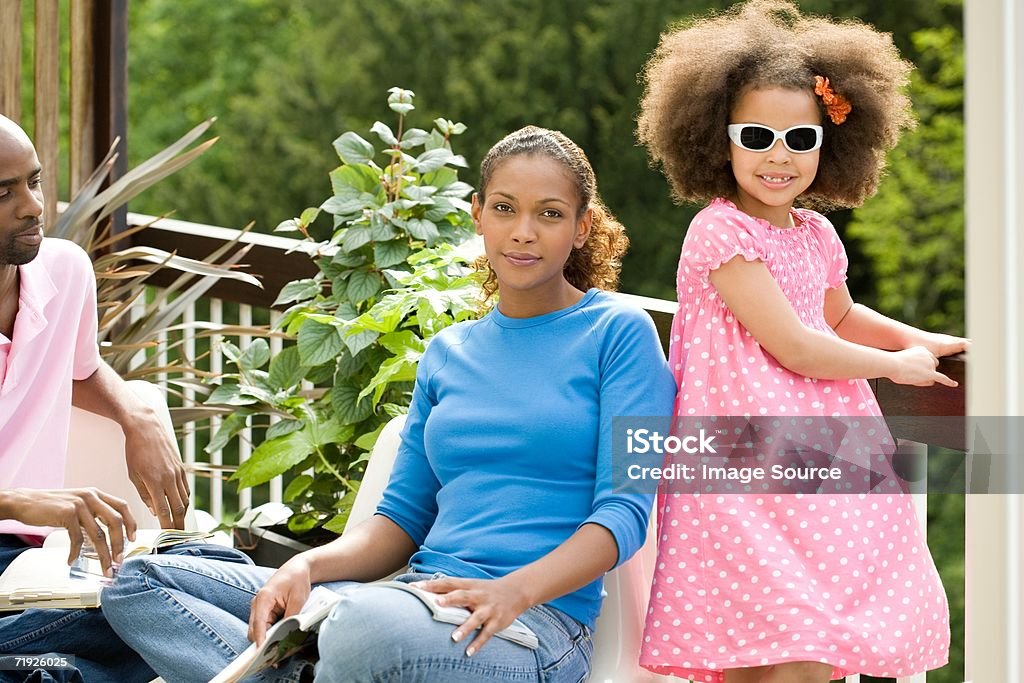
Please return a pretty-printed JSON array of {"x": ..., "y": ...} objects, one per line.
[{"x": 754, "y": 579}]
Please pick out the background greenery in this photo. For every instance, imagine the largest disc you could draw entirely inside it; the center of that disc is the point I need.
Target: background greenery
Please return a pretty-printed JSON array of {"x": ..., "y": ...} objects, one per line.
[{"x": 286, "y": 78}]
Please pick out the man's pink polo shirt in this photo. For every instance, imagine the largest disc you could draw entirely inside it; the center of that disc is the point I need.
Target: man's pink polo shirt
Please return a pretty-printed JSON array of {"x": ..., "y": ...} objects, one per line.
[{"x": 54, "y": 343}]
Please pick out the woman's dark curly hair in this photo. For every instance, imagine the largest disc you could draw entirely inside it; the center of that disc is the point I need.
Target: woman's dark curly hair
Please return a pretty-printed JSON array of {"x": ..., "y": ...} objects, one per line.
[
  {"x": 702, "y": 66},
  {"x": 598, "y": 261}
]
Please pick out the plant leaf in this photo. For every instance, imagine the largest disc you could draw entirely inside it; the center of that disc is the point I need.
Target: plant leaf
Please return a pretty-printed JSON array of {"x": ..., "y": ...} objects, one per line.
[
  {"x": 357, "y": 341},
  {"x": 337, "y": 523},
  {"x": 297, "y": 290},
  {"x": 297, "y": 487},
  {"x": 353, "y": 149},
  {"x": 362, "y": 285},
  {"x": 390, "y": 253},
  {"x": 414, "y": 137},
  {"x": 255, "y": 355},
  {"x": 285, "y": 369},
  {"x": 384, "y": 133},
  {"x": 284, "y": 427},
  {"x": 231, "y": 425},
  {"x": 318, "y": 343},
  {"x": 433, "y": 159},
  {"x": 230, "y": 394},
  {"x": 355, "y": 237},
  {"x": 274, "y": 457},
  {"x": 348, "y": 407},
  {"x": 423, "y": 230}
]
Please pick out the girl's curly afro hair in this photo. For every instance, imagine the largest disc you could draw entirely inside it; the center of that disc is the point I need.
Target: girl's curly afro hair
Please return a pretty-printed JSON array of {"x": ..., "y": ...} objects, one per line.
[{"x": 702, "y": 66}]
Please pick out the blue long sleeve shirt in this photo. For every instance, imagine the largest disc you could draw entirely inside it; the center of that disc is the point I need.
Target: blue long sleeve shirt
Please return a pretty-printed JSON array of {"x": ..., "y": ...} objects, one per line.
[{"x": 506, "y": 451}]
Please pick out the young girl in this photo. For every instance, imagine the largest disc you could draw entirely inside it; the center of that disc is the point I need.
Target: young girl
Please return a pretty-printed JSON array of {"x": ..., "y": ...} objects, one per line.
[
  {"x": 501, "y": 497},
  {"x": 756, "y": 109}
]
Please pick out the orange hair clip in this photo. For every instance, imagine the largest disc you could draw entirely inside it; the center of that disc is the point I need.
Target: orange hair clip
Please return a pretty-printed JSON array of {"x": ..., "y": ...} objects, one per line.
[{"x": 837, "y": 106}]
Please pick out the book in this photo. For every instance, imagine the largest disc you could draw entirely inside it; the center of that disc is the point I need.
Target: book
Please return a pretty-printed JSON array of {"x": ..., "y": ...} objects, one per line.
[
  {"x": 516, "y": 632},
  {"x": 284, "y": 638},
  {"x": 295, "y": 633},
  {"x": 41, "y": 577},
  {"x": 147, "y": 541}
]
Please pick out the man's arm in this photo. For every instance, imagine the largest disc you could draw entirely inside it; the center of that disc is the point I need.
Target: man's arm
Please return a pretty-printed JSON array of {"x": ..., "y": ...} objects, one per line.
[
  {"x": 77, "y": 510},
  {"x": 151, "y": 455}
]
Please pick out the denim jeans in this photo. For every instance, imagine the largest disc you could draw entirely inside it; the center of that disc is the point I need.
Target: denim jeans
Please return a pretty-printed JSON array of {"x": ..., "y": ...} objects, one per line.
[
  {"x": 188, "y": 618},
  {"x": 388, "y": 636},
  {"x": 100, "y": 655}
]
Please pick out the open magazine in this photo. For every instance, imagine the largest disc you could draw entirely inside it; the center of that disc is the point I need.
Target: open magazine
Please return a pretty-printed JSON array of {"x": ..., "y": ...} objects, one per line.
[
  {"x": 293, "y": 634},
  {"x": 41, "y": 577},
  {"x": 284, "y": 638}
]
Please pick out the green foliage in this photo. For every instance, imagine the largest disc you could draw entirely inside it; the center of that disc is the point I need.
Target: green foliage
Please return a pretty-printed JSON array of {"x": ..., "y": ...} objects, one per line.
[
  {"x": 281, "y": 76},
  {"x": 394, "y": 270},
  {"x": 913, "y": 229}
]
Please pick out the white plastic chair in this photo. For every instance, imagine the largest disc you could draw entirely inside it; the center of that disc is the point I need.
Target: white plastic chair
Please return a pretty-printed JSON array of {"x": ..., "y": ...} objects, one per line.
[
  {"x": 96, "y": 455},
  {"x": 620, "y": 626}
]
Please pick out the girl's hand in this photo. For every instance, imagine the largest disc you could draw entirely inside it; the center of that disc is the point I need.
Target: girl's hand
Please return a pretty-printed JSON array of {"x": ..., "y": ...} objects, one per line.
[
  {"x": 281, "y": 597},
  {"x": 942, "y": 344},
  {"x": 916, "y": 366},
  {"x": 494, "y": 603}
]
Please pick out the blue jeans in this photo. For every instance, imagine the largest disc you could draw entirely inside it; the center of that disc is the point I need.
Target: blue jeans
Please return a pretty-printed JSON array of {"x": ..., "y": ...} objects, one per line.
[
  {"x": 189, "y": 618},
  {"x": 99, "y": 654}
]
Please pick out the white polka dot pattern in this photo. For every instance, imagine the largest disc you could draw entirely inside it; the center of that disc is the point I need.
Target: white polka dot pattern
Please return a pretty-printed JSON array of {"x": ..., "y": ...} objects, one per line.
[{"x": 756, "y": 579}]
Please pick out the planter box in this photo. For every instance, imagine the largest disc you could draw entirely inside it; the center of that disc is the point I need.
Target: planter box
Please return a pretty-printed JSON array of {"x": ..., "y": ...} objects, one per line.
[{"x": 272, "y": 546}]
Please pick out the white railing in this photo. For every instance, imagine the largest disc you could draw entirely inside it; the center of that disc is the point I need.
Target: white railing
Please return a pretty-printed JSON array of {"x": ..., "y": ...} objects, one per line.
[{"x": 208, "y": 472}]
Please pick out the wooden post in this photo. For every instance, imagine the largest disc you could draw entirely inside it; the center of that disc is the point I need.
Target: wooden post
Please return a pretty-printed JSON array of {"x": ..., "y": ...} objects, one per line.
[
  {"x": 10, "y": 59},
  {"x": 99, "y": 76},
  {"x": 111, "y": 95},
  {"x": 82, "y": 145},
  {"x": 47, "y": 99}
]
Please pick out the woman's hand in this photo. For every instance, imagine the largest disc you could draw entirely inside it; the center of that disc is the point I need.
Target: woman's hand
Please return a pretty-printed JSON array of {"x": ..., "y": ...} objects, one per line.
[
  {"x": 494, "y": 603},
  {"x": 281, "y": 597},
  {"x": 916, "y": 366}
]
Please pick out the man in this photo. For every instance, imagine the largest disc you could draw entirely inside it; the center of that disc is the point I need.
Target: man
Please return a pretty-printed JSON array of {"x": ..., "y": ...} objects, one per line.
[{"x": 49, "y": 361}]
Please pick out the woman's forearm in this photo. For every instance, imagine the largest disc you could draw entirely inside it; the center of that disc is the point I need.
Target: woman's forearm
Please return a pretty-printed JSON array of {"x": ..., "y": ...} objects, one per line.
[
  {"x": 369, "y": 551},
  {"x": 586, "y": 555}
]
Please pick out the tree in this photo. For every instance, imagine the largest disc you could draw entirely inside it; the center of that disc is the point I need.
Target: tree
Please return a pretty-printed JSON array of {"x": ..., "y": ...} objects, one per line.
[
  {"x": 286, "y": 77},
  {"x": 913, "y": 230}
]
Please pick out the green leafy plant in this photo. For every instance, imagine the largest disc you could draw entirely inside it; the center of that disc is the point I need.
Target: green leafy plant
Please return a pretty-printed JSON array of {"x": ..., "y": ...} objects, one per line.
[{"x": 395, "y": 270}]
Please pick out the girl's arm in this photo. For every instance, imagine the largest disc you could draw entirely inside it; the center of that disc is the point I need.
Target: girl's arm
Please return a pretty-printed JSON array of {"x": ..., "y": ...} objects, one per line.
[
  {"x": 753, "y": 296},
  {"x": 495, "y": 603},
  {"x": 862, "y": 325},
  {"x": 369, "y": 551}
]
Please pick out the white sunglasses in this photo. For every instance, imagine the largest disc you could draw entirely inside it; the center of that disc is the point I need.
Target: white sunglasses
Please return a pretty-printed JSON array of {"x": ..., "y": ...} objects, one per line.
[{"x": 755, "y": 137}]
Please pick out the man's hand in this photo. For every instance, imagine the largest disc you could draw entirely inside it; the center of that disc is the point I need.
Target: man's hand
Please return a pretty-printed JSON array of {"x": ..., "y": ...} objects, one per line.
[
  {"x": 79, "y": 511},
  {"x": 156, "y": 469},
  {"x": 150, "y": 452}
]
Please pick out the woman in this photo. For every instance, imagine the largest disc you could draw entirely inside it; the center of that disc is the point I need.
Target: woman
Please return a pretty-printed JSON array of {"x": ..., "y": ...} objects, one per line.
[{"x": 501, "y": 498}]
